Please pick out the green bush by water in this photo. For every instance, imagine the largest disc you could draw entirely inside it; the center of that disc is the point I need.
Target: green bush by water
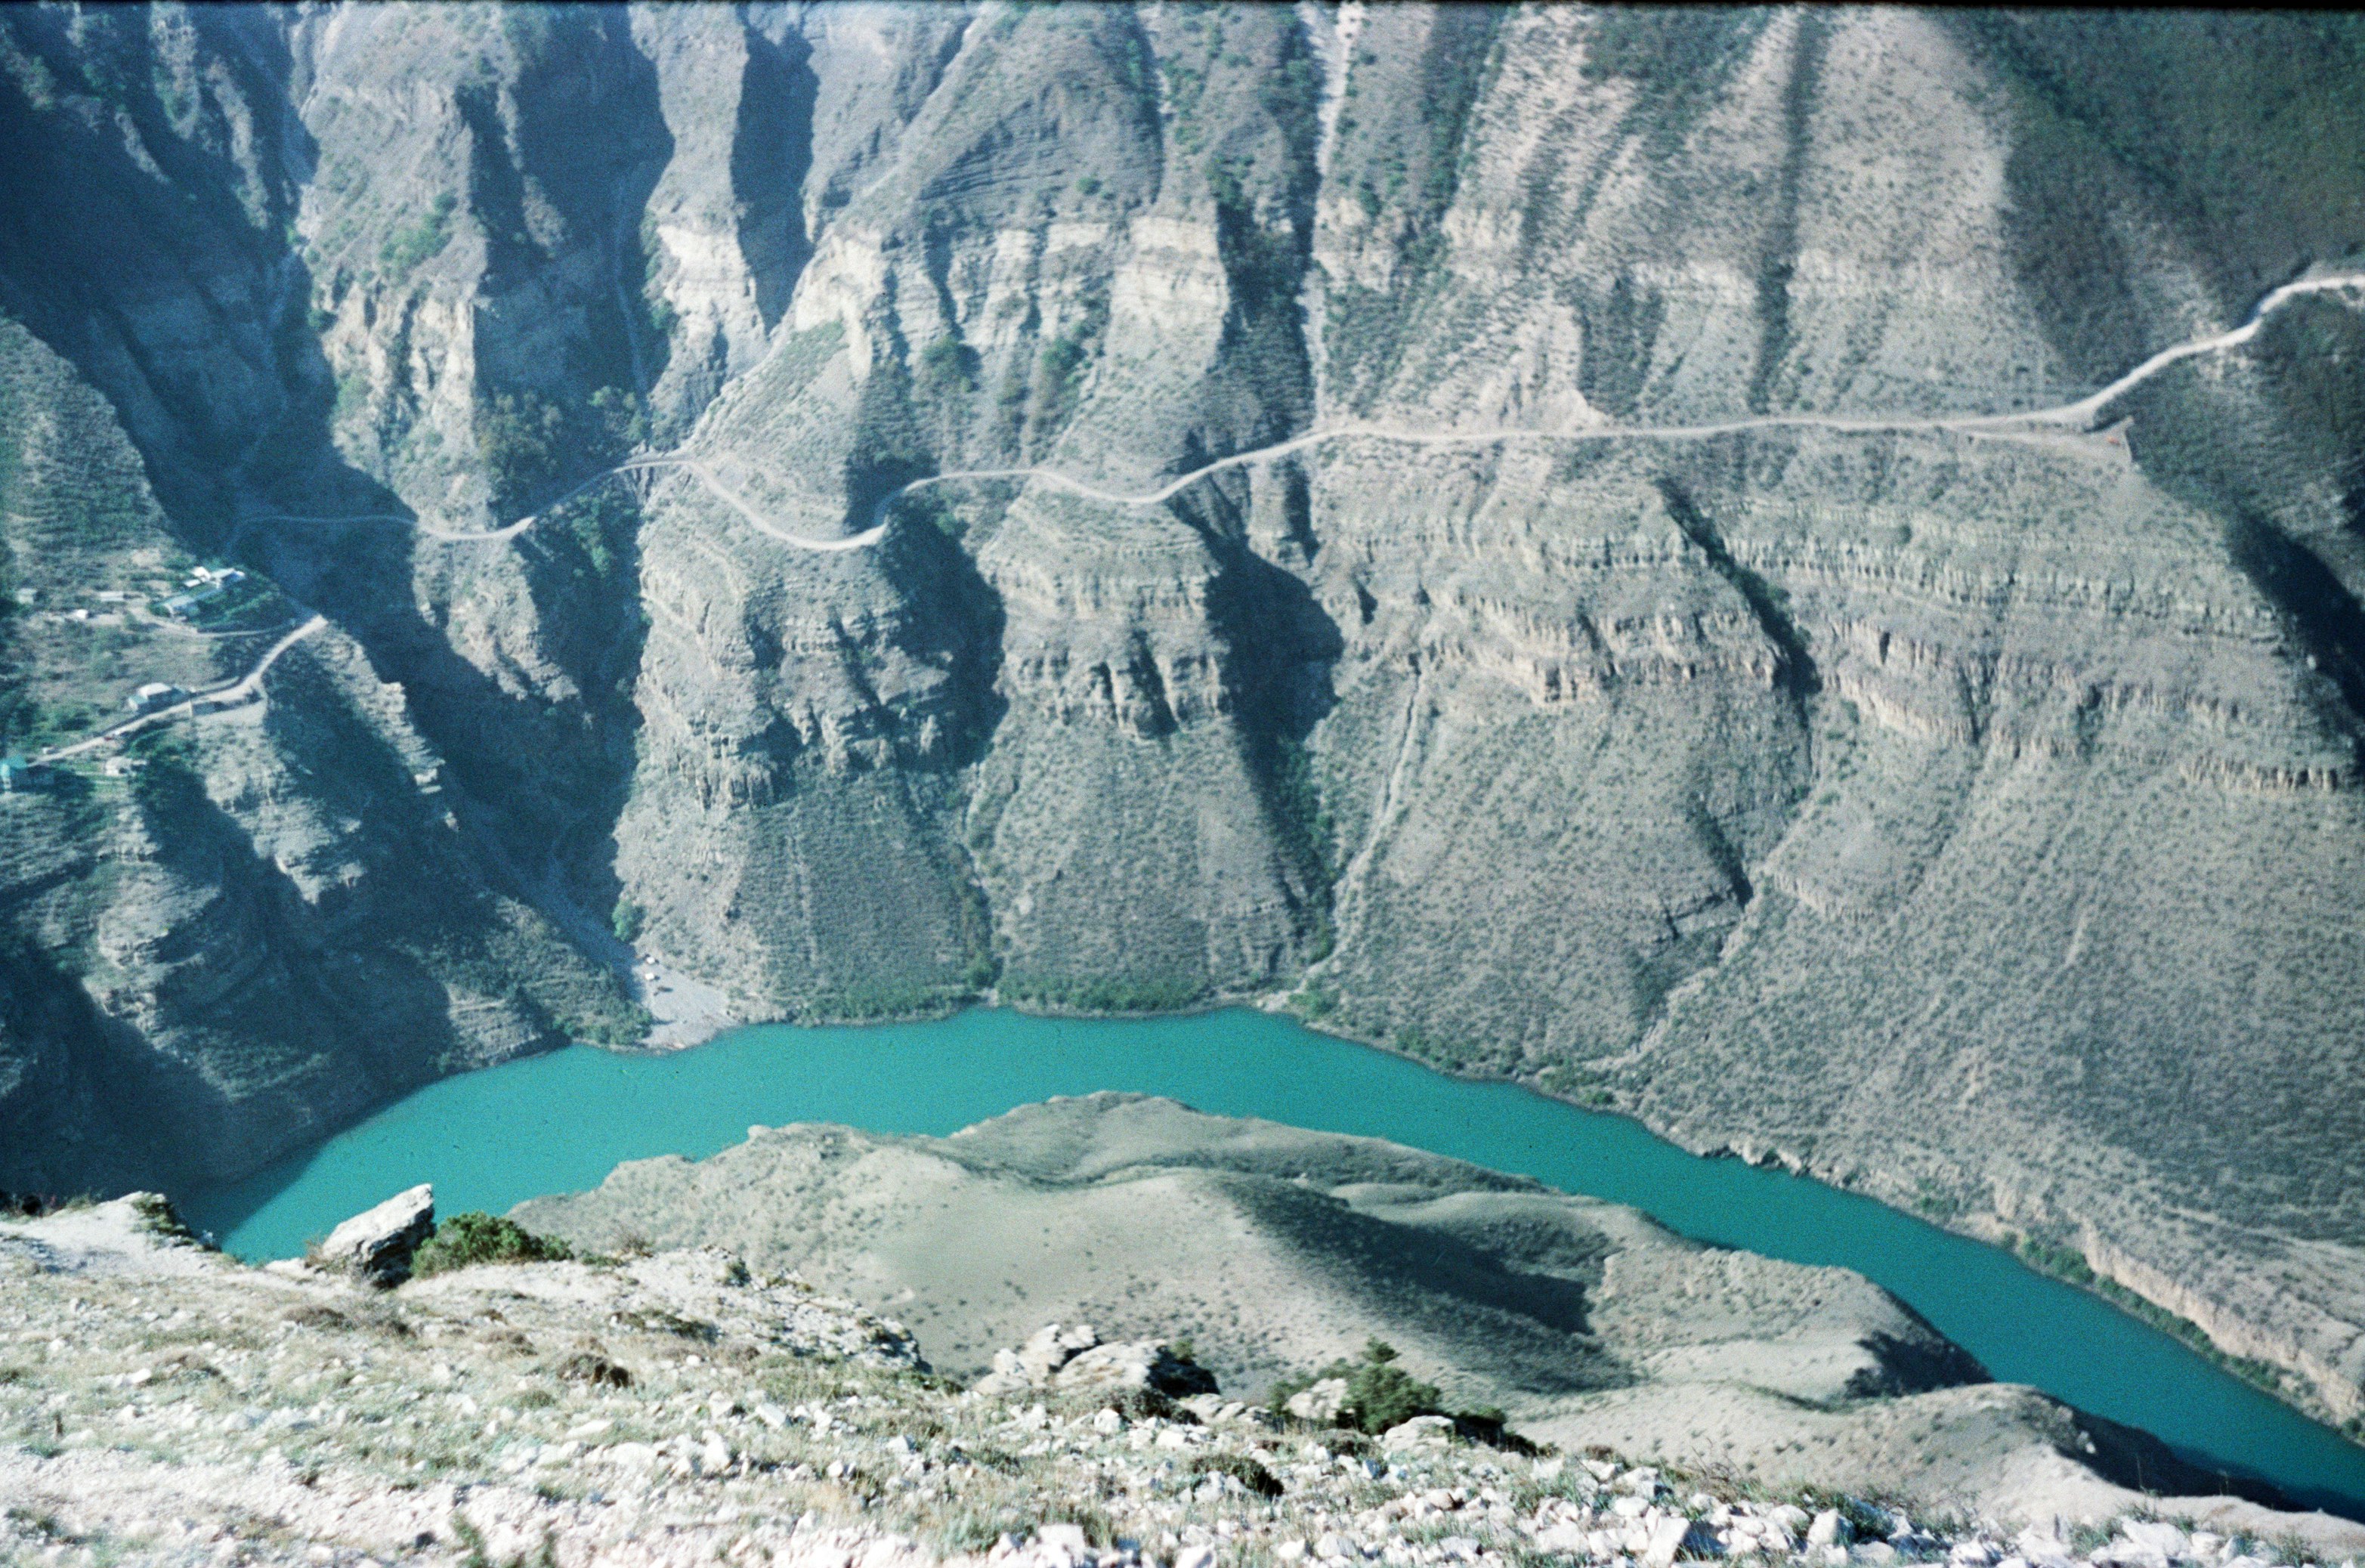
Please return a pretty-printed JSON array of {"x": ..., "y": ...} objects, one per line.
[
  {"x": 468, "y": 1240},
  {"x": 1115, "y": 994}
]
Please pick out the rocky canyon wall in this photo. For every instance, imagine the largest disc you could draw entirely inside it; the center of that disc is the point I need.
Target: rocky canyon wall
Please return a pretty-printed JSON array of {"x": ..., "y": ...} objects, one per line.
[{"x": 1968, "y": 815}]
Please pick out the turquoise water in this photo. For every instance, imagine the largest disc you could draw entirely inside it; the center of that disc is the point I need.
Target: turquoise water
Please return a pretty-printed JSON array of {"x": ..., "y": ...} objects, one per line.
[{"x": 558, "y": 1123}]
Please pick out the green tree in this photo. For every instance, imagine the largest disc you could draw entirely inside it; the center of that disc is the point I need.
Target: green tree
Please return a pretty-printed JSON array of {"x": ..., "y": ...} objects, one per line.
[
  {"x": 1380, "y": 1395},
  {"x": 522, "y": 437},
  {"x": 627, "y": 920}
]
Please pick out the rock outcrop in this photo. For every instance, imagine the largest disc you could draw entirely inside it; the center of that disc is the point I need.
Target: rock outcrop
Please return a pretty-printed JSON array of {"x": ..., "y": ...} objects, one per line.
[
  {"x": 375, "y": 1245},
  {"x": 1319, "y": 1403},
  {"x": 167, "y": 1406},
  {"x": 1070, "y": 1359},
  {"x": 1640, "y": 689}
]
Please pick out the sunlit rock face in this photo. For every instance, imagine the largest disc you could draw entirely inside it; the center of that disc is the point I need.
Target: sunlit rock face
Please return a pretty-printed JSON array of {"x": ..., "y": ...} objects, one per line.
[{"x": 1645, "y": 691}]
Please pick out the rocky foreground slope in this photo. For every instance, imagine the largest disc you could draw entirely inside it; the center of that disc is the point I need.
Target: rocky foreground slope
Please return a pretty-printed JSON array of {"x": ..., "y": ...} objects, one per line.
[
  {"x": 1968, "y": 815},
  {"x": 161, "y": 1404},
  {"x": 1273, "y": 1249}
]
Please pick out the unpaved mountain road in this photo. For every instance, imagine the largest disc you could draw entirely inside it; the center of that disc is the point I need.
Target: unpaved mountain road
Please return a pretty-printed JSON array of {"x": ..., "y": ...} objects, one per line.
[
  {"x": 2077, "y": 415},
  {"x": 237, "y": 690},
  {"x": 2040, "y": 424}
]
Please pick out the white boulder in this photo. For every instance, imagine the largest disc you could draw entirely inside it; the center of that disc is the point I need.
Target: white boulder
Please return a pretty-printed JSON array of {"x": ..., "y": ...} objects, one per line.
[
  {"x": 1072, "y": 1359},
  {"x": 377, "y": 1244},
  {"x": 1422, "y": 1431},
  {"x": 1676, "y": 1534},
  {"x": 1319, "y": 1403}
]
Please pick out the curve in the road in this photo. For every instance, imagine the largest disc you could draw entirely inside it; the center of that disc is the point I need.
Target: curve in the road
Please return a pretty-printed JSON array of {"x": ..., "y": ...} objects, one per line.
[
  {"x": 239, "y": 689},
  {"x": 869, "y": 536},
  {"x": 2080, "y": 414},
  {"x": 2086, "y": 409}
]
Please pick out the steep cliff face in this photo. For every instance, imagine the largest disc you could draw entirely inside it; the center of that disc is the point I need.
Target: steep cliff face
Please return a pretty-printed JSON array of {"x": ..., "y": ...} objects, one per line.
[
  {"x": 1615, "y": 671},
  {"x": 247, "y": 927}
]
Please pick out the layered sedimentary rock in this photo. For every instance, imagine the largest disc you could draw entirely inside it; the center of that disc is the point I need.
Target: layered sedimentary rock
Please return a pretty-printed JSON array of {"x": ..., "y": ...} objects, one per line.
[{"x": 1965, "y": 814}]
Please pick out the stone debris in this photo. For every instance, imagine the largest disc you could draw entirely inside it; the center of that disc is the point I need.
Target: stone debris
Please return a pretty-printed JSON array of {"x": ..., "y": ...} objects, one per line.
[
  {"x": 161, "y": 1404},
  {"x": 375, "y": 1245},
  {"x": 1071, "y": 1358},
  {"x": 1321, "y": 1403}
]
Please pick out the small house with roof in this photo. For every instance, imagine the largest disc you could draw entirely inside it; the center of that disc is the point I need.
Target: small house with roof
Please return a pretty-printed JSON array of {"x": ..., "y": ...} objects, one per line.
[{"x": 186, "y": 606}]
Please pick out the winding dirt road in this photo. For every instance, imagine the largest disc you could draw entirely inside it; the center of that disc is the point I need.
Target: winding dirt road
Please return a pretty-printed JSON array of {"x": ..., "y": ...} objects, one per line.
[
  {"x": 2080, "y": 414},
  {"x": 2031, "y": 423},
  {"x": 237, "y": 690}
]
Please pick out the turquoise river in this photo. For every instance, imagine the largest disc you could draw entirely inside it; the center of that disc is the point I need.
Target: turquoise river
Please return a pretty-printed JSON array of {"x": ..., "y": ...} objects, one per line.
[{"x": 559, "y": 1123}]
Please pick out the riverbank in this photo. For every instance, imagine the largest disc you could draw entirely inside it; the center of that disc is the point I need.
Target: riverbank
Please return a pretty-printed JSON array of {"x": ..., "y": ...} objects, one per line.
[
  {"x": 562, "y": 1122},
  {"x": 2054, "y": 1259},
  {"x": 685, "y": 1010},
  {"x": 700, "y": 1013}
]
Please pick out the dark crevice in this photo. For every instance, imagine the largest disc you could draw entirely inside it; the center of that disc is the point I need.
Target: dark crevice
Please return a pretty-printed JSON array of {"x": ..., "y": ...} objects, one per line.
[
  {"x": 1280, "y": 650},
  {"x": 1261, "y": 386},
  {"x": 2316, "y": 610},
  {"x": 770, "y": 155},
  {"x": 582, "y": 565},
  {"x": 1263, "y": 348},
  {"x": 955, "y": 625},
  {"x": 1721, "y": 851},
  {"x": 561, "y": 165},
  {"x": 1794, "y": 670},
  {"x": 1616, "y": 336},
  {"x": 892, "y": 447},
  {"x": 1135, "y": 62},
  {"x": 1780, "y": 258}
]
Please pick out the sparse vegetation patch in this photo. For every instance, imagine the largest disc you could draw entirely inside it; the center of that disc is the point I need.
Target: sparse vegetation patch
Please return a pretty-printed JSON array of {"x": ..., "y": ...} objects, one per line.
[{"x": 465, "y": 1240}]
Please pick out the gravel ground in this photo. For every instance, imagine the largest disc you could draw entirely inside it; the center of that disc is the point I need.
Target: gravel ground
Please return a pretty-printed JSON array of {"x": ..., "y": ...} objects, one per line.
[{"x": 161, "y": 1404}]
